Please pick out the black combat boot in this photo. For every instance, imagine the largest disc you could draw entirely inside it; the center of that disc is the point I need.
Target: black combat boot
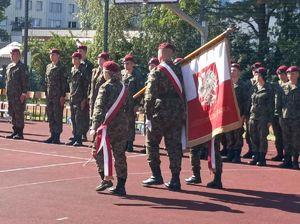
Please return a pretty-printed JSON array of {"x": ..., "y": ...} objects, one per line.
[
  {"x": 261, "y": 159},
  {"x": 104, "y": 183},
  {"x": 78, "y": 141},
  {"x": 295, "y": 162},
  {"x": 19, "y": 134},
  {"x": 248, "y": 155},
  {"x": 229, "y": 156},
  {"x": 84, "y": 138},
  {"x": 174, "y": 184},
  {"x": 56, "y": 138},
  {"x": 49, "y": 140},
  {"x": 279, "y": 155},
  {"x": 129, "y": 146},
  {"x": 287, "y": 162},
  {"x": 12, "y": 134},
  {"x": 120, "y": 188},
  {"x": 237, "y": 156},
  {"x": 195, "y": 178},
  {"x": 216, "y": 183},
  {"x": 155, "y": 179},
  {"x": 254, "y": 159}
]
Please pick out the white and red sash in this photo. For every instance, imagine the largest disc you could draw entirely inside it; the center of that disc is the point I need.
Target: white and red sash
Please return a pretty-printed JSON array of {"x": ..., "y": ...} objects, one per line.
[
  {"x": 103, "y": 141},
  {"x": 167, "y": 70}
]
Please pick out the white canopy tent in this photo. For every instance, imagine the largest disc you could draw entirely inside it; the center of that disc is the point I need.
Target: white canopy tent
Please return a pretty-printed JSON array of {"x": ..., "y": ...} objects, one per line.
[{"x": 5, "y": 52}]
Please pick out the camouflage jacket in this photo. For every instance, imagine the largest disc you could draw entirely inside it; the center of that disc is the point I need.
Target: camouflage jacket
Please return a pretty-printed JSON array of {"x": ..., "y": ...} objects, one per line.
[
  {"x": 161, "y": 99},
  {"x": 16, "y": 80},
  {"x": 78, "y": 85},
  {"x": 241, "y": 93},
  {"x": 262, "y": 103},
  {"x": 96, "y": 81},
  {"x": 277, "y": 87},
  {"x": 88, "y": 66},
  {"x": 56, "y": 81},
  {"x": 290, "y": 101},
  {"x": 108, "y": 94}
]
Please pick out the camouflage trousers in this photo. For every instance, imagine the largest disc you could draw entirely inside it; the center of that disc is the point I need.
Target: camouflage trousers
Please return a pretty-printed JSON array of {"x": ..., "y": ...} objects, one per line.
[
  {"x": 277, "y": 132},
  {"x": 195, "y": 156},
  {"x": 131, "y": 126},
  {"x": 259, "y": 131},
  {"x": 234, "y": 139},
  {"x": 78, "y": 118},
  {"x": 55, "y": 116},
  {"x": 118, "y": 138},
  {"x": 291, "y": 136},
  {"x": 86, "y": 120},
  {"x": 247, "y": 135},
  {"x": 172, "y": 137},
  {"x": 16, "y": 111}
]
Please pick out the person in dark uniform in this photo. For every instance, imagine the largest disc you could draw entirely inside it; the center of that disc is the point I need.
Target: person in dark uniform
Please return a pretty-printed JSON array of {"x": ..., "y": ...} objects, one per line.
[
  {"x": 16, "y": 86},
  {"x": 56, "y": 87}
]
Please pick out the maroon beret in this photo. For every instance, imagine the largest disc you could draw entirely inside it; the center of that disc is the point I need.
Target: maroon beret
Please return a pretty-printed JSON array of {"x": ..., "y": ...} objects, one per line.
[
  {"x": 177, "y": 60},
  {"x": 236, "y": 65},
  {"x": 293, "y": 68},
  {"x": 281, "y": 69},
  {"x": 83, "y": 47},
  {"x": 103, "y": 55},
  {"x": 54, "y": 51},
  {"x": 14, "y": 50},
  {"x": 128, "y": 57},
  {"x": 111, "y": 66},
  {"x": 166, "y": 45},
  {"x": 76, "y": 55},
  {"x": 153, "y": 60},
  {"x": 261, "y": 70},
  {"x": 256, "y": 65}
]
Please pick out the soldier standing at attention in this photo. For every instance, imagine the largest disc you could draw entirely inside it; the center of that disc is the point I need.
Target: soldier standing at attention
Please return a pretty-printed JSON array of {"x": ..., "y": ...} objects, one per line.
[
  {"x": 277, "y": 119},
  {"x": 82, "y": 49},
  {"x": 135, "y": 82},
  {"x": 234, "y": 138},
  {"x": 56, "y": 84},
  {"x": 261, "y": 115},
  {"x": 96, "y": 82},
  {"x": 110, "y": 115},
  {"x": 165, "y": 113},
  {"x": 291, "y": 119},
  {"x": 78, "y": 99},
  {"x": 16, "y": 86}
]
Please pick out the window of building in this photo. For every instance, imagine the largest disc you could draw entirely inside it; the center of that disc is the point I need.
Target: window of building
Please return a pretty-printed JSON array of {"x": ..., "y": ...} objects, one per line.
[
  {"x": 18, "y": 4},
  {"x": 39, "y": 6},
  {"x": 55, "y": 23},
  {"x": 72, "y": 24},
  {"x": 30, "y": 5},
  {"x": 55, "y": 7},
  {"x": 36, "y": 22},
  {"x": 3, "y": 23},
  {"x": 71, "y": 8}
]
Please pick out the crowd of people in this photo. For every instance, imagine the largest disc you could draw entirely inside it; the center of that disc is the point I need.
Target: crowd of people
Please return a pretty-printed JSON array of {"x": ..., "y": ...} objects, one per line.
[{"x": 102, "y": 104}]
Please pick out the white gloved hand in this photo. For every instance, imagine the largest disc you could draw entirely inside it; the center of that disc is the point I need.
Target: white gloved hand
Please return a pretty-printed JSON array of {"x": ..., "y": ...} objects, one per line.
[
  {"x": 92, "y": 131},
  {"x": 148, "y": 125}
]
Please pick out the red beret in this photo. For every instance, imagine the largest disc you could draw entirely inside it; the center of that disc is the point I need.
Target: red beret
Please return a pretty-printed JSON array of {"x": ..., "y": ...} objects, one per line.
[
  {"x": 54, "y": 51},
  {"x": 293, "y": 68},
  {"x": 153, "y": 61},
  {"x": 166, "y": 45},
  {"x": 256, "y": 65},
  {"x": 15, "y": 50},
  {"x": 76, "y": 55},
  {"x": 83, "y": 47},
  {"x": 111, "y": 66},
  {"x": 177, "y": 60},
  {"x": 281, "y": 69},
  {"x": 236, "y": 65},
  {"x": 261, "y": 70},
  {"x": 129, "y": 57},
  {"x": 103, "y": 55}
]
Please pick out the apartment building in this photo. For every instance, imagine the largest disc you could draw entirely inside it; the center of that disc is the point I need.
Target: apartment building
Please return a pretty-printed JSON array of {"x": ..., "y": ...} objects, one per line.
[{"x": 42, "y": 14}]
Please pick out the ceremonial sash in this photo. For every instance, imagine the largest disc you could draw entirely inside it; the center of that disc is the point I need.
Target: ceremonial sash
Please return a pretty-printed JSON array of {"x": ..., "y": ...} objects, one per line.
[
  {"x": 167, "y": 70},
  {"x": 103, "y": 141}
]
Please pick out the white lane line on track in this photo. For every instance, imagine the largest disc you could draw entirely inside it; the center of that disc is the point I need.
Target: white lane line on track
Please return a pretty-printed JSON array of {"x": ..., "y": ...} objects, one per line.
[
  {"x": 62, "y": 219},
  {"x": 39, "y": 167}
]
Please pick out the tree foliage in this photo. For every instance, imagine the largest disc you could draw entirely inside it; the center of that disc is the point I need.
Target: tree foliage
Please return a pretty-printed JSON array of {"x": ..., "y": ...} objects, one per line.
[{"x": 3, "y": 4}]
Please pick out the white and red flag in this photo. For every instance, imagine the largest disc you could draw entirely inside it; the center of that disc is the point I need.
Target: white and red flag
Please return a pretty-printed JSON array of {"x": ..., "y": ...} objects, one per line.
[{"x": 211, "y": 102}]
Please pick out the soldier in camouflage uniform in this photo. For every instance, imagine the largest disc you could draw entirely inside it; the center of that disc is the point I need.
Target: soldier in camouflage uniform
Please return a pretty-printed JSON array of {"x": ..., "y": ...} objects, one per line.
[
  {"x": 78, "y": 99},
  {"x": 16, "y": 86},
  {"x": 116, "y": 130},
  {"x": 88, "y": 66},
  {"x": 281, "y": 72},
  {"x": 234, "y": 138},
  {"x": 56, "y": 84},
  {"x": 135, "y": 82},
  {"x": 290, "y": 104},
  {"x": 261, "y": 115},
  {"x": 165, "y": 114}
]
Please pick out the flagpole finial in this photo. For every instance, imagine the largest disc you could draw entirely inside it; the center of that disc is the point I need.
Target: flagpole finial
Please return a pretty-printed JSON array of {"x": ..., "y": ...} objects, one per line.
[{"x": 232, "y": 28}]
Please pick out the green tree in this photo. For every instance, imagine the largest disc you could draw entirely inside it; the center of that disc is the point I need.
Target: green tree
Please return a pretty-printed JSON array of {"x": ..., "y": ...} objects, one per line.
[{"x": 3, "y": 4}]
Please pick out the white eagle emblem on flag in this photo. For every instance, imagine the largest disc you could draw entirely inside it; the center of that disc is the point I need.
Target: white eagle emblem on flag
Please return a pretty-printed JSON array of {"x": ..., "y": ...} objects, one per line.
[{"x": 207, "y": 84}]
